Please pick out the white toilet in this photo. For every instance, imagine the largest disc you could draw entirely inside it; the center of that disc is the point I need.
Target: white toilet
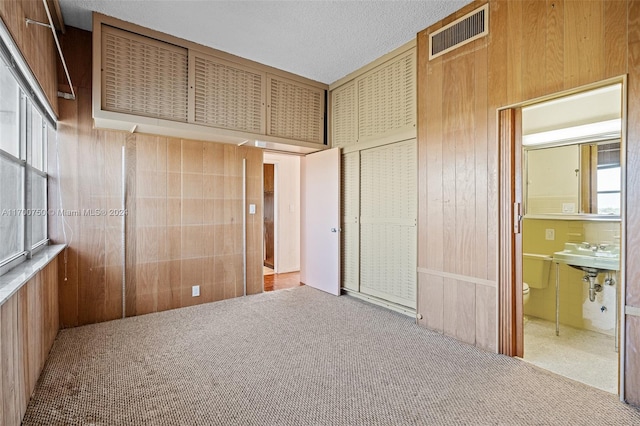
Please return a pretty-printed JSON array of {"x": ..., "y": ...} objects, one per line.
[
  {"x": 536, "y": 270},
  {"x": 525, "y": 293}
]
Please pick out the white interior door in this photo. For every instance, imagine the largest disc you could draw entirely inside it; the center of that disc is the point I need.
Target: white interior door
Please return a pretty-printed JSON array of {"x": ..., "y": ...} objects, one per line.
[{"x": 320, "y": 220}]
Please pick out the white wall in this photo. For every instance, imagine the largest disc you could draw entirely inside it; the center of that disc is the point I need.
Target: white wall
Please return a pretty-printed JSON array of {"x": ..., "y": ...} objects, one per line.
[{"x": 287, "y": 205}]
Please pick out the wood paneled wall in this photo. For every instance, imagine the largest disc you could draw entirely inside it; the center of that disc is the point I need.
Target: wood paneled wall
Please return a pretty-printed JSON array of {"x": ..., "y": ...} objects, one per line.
[
  {"x": 35, "y": 42},
  {"x": 183, "y": 218},
  {"x": 28, "y": 327},
  {"x": 188, "y": 207},
  {"x": 534, "y": 48}
]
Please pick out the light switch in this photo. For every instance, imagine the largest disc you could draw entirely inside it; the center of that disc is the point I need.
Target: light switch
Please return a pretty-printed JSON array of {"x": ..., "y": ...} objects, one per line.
[{"x": 252, "y": 209}]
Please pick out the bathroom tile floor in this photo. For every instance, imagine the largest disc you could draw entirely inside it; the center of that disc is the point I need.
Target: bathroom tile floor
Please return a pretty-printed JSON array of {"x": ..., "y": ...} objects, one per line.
[{"x": 581, "y": 355}]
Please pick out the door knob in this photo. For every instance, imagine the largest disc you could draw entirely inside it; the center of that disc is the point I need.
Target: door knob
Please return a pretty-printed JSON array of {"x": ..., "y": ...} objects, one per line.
[{"x": 334, "y": 229}]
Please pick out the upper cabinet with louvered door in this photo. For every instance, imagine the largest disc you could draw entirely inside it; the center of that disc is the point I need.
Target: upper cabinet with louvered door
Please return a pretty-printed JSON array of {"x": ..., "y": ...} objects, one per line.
[
  {"x": 295, "y": 110},
  {"x": 344, "y": 110},
  {"x": 387, "y": 98},
  {"x": 228, "y": 95},
  {"x": 143, "y": 76},
  {"x": 150, "y": 82}
]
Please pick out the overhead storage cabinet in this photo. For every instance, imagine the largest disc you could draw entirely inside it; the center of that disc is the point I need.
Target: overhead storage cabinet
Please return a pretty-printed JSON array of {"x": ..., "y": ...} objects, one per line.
[
  {"x": 344, "y": 115},
  {"x": 296, "y": 111},
  {"x": 387, "y": 98},
  {"x": 154, "y": 83},
  {"x": 142, "y": 76},
  {"x": 227, "y": 95},
  {"x": 379, "y": 103}
]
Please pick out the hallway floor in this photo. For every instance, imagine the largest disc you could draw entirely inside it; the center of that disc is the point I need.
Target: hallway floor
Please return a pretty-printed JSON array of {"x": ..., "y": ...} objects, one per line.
[
  {"x": 582, "y": 355},
  {"x": 281, "y": 281}
]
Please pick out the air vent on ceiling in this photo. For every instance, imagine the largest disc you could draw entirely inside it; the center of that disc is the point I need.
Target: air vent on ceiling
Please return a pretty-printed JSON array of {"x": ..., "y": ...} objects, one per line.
[{"x": 470, "y": 27}]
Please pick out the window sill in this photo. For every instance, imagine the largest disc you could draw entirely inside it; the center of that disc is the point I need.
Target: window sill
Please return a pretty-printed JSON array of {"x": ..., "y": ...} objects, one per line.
[{"x": 15, "y": 278}]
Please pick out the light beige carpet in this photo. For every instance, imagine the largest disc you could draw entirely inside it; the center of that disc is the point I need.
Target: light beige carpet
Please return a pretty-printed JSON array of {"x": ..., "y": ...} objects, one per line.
[{"x": 296, "y": 357}]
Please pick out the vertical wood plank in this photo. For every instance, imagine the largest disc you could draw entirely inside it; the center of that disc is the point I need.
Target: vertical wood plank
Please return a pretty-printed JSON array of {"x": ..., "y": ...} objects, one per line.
[
  {"x": 8, "y": 336},
  {"x": 466, "y": 321},
  {"x": 423, "y": 98},
  {"x": 573, "y": 13},
  {"x": 480, "y": 158},
  {"x": 462, "y": 75},
  {"x": 130, "y": 226},
  {"x": 434, "y": 151},
  {"x": 584, "y": 41},
  {"x": 497, "y": 74},
  {"x": 632, "y": 360},
  {"x": 450, "y": 307},
  {"x": 554, "y": 46},
  {"x": 486, "y": 326},
  {"x": 450, "y": 125},
  {"x": 114, "y": 223},
  {"x": 615, "y": 38},
  {"x": 514, "y": 52},
  {"x": 533, "y": 45},
  {"x": 21, "y": 349},
  {"x": 68, "y": 183},
  {"x": 431, "y": 302}
]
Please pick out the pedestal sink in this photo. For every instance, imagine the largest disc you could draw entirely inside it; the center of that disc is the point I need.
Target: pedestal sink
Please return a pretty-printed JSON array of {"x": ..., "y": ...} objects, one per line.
[{"x": 592, "y": 259}]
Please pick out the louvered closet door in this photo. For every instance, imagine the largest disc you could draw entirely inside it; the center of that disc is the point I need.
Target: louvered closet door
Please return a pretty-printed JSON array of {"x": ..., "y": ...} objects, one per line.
[
  {"x": 350, "y": 204},
  {"x": 228, "y": 95},
  {"x": 388, "y": 231},
  {"x": 295, "y": 110},
  {"x": 387, "y": 98},
  {"x": 143, "y": 76},
  {"x": 344, "y": 113}
]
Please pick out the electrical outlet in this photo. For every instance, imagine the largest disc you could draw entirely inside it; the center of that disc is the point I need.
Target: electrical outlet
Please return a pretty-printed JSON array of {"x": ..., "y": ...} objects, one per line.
[
  {"x": 252, "y": 209},
  {"x": 195, "y": 291},
  {"x": 550, "y": 234}
]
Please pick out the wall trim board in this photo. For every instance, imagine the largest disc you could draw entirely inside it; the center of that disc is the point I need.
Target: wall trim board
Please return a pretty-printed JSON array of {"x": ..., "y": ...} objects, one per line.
[
  {"x": 380, "y": 302},
  {"x": 632, "y": 310},
  {"x": 158, "y": 127},
  {"x": 397, "y": 138},
  {"x": 457, "y": 277},
  {"x": 572, "y": 91}
]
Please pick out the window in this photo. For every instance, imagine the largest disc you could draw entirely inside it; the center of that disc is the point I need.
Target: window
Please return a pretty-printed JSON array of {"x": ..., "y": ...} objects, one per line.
[
  {"x": 609, "y": 179},
  {"x": 23, "y": 173},
  {"x": 609, "y": 187}
]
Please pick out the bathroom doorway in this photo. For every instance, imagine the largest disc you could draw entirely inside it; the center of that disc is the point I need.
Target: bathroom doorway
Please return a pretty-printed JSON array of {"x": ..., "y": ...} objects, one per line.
[{"x": 562, "y": 280}]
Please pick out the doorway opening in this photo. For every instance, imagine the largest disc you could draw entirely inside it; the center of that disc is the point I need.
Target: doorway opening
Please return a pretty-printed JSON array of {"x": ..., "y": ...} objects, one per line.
[
  {"x": 281, "y": 216},
  {"x": 269, "y": 219},
  {"x": 561, "y": 272}
]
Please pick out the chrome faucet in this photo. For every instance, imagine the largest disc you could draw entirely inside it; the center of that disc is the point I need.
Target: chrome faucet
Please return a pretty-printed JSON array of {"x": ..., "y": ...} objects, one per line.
[{"x": 593, "y": 247}]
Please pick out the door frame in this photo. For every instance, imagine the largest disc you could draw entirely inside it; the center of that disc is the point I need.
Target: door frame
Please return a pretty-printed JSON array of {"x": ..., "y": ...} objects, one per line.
[
  {"x": 510, "y": 322},
  {"x": 509, "y": 295},
  {"x": 275, "y": 213}
]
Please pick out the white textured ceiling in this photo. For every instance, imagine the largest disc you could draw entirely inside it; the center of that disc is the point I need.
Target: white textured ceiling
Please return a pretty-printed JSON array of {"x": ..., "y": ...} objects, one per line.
[{"x": 320, "y": 40}]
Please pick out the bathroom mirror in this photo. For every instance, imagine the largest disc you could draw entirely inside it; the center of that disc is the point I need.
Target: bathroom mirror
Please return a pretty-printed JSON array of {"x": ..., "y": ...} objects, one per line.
[
  {"x": 571, "y": 154},
  {"x": 574, "y": 179}
]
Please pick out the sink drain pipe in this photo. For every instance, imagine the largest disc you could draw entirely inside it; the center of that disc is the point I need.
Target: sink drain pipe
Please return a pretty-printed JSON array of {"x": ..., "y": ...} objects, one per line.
[{"x": 594, "y": 287}]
